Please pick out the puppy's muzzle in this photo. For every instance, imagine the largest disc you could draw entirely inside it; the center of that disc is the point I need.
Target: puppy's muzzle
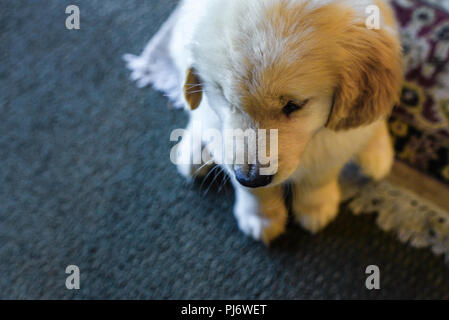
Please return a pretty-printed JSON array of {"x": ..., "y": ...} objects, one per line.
[{"x": 249, "y": 176}]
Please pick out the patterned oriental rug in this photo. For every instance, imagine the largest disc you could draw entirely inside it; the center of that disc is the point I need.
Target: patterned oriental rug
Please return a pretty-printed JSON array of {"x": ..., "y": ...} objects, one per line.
[{"x": 420, "y": 124}]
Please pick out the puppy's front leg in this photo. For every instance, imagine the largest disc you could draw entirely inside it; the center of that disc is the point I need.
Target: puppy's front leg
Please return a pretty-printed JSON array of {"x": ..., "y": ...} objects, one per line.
[
  {"x": 261, "y": 213},
  {"x": 315, "y": 207},
  {"x": 377, "y": 158}
]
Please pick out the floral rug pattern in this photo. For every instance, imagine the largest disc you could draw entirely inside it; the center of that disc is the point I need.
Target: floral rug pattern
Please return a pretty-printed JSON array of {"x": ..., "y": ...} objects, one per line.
[{"x": 420, "y": 124}]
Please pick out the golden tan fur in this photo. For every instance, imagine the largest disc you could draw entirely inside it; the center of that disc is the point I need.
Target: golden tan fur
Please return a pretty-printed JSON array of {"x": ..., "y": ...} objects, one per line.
[
  {"x": 365, "y": 64},
  {"x": 370, "y": 78},
  {"x": 193, "y": 90}
]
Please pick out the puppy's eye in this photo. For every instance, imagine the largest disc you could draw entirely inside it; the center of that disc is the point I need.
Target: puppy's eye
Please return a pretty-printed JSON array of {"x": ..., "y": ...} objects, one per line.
[{"x": 292, "y": 106}]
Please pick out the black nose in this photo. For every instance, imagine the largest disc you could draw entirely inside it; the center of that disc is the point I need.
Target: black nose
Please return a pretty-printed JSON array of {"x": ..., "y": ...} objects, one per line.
[{"x": 252, "y": 178}]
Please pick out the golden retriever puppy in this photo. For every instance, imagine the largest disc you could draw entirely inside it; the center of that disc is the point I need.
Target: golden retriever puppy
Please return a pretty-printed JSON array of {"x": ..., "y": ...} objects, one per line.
[{"x": 310, "y": 69}]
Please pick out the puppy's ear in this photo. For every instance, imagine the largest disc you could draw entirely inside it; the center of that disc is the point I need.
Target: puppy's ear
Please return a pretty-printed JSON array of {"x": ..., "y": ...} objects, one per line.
[
  {"x": 370, "y": 78},
  {"x": 193, "y": 89}
]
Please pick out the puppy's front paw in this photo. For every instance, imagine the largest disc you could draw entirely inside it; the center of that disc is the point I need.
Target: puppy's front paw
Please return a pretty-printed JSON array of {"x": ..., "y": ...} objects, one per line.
[
  {"x": 257, "y": 225},
  {"x": 315, "y": 210},
  {"x": 377, "y": 165},
  {"x": 377, "y": 159},
  {"x": 316, "y": 218},
  {"x": 140, "y": 71}
]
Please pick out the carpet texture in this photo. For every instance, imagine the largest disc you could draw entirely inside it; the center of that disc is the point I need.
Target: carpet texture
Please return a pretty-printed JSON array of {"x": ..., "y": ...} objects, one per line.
[{"x": 85, "y": 180}]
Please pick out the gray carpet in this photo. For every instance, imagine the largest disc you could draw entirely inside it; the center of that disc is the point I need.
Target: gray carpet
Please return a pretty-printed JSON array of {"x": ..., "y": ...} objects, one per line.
[{"x": 85, "y": 180}]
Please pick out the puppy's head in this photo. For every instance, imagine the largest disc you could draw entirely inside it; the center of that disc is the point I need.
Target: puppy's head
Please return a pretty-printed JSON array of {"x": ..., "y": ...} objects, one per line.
[{"x": 295, "y": 67}]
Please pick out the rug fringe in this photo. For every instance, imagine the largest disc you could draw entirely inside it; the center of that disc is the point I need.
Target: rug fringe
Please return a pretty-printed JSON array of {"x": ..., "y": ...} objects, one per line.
[{"x": 414, "y": 219}]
